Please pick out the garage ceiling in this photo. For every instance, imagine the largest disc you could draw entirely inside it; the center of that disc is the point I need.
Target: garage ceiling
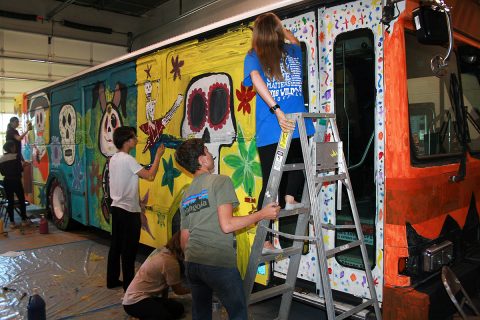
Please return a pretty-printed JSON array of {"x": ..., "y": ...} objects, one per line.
[{"x": 135, "y": 8}]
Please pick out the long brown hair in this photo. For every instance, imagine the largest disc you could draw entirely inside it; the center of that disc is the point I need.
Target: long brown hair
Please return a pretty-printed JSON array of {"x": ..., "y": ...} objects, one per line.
[
  {"x": 173, "y": 245},
  {"x": 268, "y": 42}
]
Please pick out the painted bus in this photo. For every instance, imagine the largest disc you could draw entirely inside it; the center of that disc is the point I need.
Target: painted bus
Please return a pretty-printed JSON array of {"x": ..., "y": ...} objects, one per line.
[{"x": 402, "y": 78}]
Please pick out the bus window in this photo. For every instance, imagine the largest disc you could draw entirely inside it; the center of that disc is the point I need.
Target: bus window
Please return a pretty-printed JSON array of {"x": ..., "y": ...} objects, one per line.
[
  {"x": 305, "y": 86},
  {"x": 354, "y": 58},
  {"x": 432, "y": 118},
  {"x": 470, "y": 77}
]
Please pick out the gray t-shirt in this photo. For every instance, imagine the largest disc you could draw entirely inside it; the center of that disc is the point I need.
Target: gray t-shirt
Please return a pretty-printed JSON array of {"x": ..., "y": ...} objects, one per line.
[{"x": 207, "y": 243}]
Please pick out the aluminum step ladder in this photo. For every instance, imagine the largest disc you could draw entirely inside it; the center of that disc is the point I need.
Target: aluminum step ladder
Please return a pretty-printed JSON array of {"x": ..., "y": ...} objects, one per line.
[{"x": 323, "y": 162}]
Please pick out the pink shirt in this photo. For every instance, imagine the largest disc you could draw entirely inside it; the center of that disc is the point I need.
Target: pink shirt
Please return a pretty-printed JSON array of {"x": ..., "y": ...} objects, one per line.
[{"x": 159, "y": 271}]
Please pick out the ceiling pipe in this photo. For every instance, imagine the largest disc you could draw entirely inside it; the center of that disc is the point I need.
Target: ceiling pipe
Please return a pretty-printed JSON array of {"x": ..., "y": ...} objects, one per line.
[
  {"x": 180, "y": 17},
  {"x": 58, "y": 9},
  {"x": 19, "y": 16}
]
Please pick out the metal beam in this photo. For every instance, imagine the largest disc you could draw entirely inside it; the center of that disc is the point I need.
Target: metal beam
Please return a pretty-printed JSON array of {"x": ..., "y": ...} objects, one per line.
[{"x": 49, "y": 16}]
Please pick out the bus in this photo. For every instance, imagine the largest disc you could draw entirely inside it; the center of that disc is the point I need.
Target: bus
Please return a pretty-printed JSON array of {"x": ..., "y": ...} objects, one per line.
[{"x": 402, "y": 78}]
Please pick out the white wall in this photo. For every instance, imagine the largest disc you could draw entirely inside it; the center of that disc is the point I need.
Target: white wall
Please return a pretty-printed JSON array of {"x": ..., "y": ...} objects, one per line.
[{"x": 29, "y": 61}]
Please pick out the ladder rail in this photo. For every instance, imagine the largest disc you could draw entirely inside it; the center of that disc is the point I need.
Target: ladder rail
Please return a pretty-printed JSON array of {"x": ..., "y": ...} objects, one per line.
[
  {"x": 270, "y": 196},
  {"x": 315, "y": 205},
  {"x": 358, "y": 226}
]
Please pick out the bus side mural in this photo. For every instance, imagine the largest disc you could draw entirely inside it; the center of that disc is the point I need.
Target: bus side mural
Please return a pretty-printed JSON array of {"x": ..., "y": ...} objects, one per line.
[{"x": 413, "y": 156}]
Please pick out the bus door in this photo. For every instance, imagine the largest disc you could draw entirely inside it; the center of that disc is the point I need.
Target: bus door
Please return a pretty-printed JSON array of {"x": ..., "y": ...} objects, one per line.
[
  {"x": 67, "y": 165},
  {"x": 351, "y": 86},
  {"x": 110, "y": 102}
]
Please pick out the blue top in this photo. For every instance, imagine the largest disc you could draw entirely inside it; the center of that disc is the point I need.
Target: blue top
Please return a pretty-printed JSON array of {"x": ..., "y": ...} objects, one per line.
[{"x": 288, "y": 94}]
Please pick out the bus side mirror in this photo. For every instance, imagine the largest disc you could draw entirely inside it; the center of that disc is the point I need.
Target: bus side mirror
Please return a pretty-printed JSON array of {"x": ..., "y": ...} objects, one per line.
[
  {"x": 430, "y": 26},
  {"x": 433, "y": 27}
]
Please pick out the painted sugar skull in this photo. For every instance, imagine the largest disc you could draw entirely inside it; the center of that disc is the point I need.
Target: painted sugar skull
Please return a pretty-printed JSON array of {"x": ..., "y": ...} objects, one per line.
[
  {"x": 111, "y": 118},
  {"x": 39, "y": 112},
  {"x": 209, "y": 111},
  {"x": 67, "y": 123}
]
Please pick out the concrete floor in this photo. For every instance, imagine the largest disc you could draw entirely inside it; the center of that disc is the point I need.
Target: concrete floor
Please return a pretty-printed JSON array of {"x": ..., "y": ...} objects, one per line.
[{"x": 108, "y": 305}]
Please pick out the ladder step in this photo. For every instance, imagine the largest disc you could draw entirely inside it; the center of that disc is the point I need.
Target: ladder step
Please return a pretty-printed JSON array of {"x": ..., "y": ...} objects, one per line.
[
  {"x": 330, "y": 253},
  {"x": 318, "y": 115},
  {"x": 293, "y": 166},
  {"x": 334, "y": 177},
  {"x": 289, "y": 235},
  {"x": 355, "y": 310},
  {"x": 284, "y": 253},
  {"x": 330, "y": 226},
  {"x": 269, "y": 293},
  {"x": 294, "y": 212}
]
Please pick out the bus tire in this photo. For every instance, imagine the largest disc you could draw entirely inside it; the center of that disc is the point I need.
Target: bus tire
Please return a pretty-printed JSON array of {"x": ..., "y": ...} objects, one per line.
[{"x": 59, "y": 205}]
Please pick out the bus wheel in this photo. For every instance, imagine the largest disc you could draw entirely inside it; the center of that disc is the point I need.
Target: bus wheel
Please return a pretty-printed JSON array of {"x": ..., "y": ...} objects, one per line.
[{"x": 58, "y": 203}]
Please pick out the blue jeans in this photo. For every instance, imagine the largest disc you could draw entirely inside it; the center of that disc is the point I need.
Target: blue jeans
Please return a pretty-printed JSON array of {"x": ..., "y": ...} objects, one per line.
[{"x": 225, "y": 282}]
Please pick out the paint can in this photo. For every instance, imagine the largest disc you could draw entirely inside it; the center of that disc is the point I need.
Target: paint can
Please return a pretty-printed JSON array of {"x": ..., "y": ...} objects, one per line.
[{"x": 43, "y": 225}]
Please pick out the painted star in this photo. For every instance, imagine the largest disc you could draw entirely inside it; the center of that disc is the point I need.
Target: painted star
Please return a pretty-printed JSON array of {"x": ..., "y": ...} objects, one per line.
[
  {"x": 170, "y": 174},
  {"x": 143, "y": 217},
  {"x": 147, "y": 71},
  {"x": 42, "y": 196}
]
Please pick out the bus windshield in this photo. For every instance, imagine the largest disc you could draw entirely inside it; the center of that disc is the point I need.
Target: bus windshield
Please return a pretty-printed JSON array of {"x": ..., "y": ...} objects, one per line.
[
  {"x": 433, "y": 131},
  {"x": 470, "y": 77}
]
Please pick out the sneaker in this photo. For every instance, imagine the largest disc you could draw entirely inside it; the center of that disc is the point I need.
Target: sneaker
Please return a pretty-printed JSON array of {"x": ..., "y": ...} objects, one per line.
[
  {"x": 269, "y": 248},
  {"x": 293, "y": 206},
  {"x": 13, "y": 225}
]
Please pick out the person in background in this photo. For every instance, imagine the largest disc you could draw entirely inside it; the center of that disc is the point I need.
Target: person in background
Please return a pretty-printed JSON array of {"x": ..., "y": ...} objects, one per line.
[
  {"x": 13, "y": 135},
  {"x": 11, "y": 168},
  {"x": 147, "y": 295},
  {"x": 125, "y": 209},
  {"x": 274, "y": 68},
  {"x": 207, "y": 231}
]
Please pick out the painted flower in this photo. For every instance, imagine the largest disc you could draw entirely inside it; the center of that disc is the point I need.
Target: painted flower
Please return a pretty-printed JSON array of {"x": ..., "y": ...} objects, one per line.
[
  {"x": 176, "y": 65},
  {"x": 95, "y": 178},
  {"x": 56, "y": 153},
  {"x": 245, "y": 95},
  {"x": 78, "y": 176},
  {"x": 244, "y": 165}
]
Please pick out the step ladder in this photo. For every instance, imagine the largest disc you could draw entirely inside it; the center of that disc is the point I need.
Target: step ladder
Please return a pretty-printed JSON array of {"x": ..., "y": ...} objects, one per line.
[{"x": 323, "y": 162}]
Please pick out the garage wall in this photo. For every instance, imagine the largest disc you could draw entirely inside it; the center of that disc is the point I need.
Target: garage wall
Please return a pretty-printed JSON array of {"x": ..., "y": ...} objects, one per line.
[{"x": 29, "y": 61}]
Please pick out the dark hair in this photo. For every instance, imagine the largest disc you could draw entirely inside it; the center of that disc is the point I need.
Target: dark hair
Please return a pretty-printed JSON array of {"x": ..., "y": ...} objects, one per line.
[
  {"x": 173, "y": 245},
  {"x": 122, "y": 135},
  {"x": 188, "y": 152},
  {"x": 12, "y": 120},
  {"x": 10, "y": 146},
  {"x": 268, "y": 42}
]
